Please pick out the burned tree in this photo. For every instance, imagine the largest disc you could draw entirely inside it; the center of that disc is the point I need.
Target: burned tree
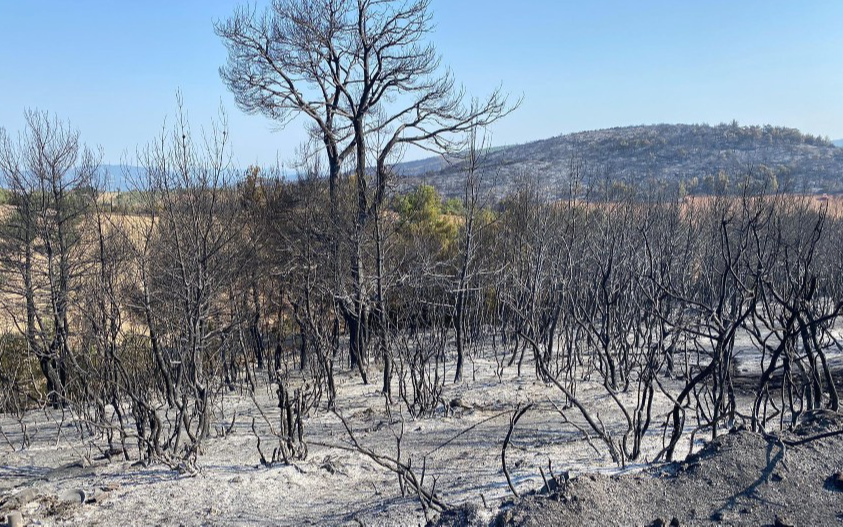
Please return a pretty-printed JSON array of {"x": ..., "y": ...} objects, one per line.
[
  {"x": 49, "y": 175},
  {"x": 362, "y": 72}
]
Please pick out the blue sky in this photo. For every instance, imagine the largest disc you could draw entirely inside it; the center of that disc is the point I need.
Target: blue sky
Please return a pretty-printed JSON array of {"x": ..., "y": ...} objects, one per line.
[{"x": 112, "y": 68}]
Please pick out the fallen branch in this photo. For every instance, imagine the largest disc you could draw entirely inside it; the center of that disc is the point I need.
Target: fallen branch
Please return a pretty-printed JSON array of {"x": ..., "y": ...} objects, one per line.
[
  {"x": 518, "y": 414},
  {"x": 427, "y": 498},
  {"x": 465, "y": 431},
  {"x": 812, "y": 438}
]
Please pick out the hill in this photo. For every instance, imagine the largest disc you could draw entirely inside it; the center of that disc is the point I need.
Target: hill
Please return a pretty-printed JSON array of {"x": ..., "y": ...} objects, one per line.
[
  {"x": 695, "y": 157},
  {"x": 698, "y": 158}
]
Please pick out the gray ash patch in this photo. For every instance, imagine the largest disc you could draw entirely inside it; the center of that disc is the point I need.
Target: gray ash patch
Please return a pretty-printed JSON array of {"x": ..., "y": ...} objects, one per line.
[{"x": 741, "y": 478}]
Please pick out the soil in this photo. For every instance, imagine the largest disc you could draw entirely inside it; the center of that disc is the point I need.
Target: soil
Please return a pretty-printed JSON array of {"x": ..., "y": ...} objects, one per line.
[
  {"x": 60, "y": 478},
  {"x": 742, "y": 478}
]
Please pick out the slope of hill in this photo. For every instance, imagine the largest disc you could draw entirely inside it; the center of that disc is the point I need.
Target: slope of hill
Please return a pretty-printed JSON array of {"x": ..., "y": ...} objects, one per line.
[{"x": 698, "y": 158}]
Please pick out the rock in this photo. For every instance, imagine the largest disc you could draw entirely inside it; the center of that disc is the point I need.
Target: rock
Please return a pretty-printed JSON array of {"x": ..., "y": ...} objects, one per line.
[
  {"x": 674, "y": 522},
  {"x": 781, "y": 521},
  {"x": 14, "y": 519},
  {"x": 835, "y": 481},
  {"x": 73, "y": 496}
]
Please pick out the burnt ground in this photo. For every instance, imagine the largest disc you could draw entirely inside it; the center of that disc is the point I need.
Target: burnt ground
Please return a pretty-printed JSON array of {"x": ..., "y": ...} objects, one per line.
[
  {"x": 58, "y": 478},
  {"x": 742, "y": 478}
]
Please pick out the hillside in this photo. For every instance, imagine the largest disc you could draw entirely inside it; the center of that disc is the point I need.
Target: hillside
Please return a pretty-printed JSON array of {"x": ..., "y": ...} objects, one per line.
[{"x": 699, "y": 158}]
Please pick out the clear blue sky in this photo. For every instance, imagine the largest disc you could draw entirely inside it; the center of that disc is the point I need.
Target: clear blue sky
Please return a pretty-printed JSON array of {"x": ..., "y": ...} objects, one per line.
[{"x": 112, "y": 68}]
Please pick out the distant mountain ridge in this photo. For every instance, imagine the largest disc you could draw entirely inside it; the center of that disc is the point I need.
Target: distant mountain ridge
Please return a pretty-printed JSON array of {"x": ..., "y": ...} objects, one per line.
[
  {"x": 698, "y": 158},
  {"x": 121, "y": 177},
  {"x": 693, "y": 157}
]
